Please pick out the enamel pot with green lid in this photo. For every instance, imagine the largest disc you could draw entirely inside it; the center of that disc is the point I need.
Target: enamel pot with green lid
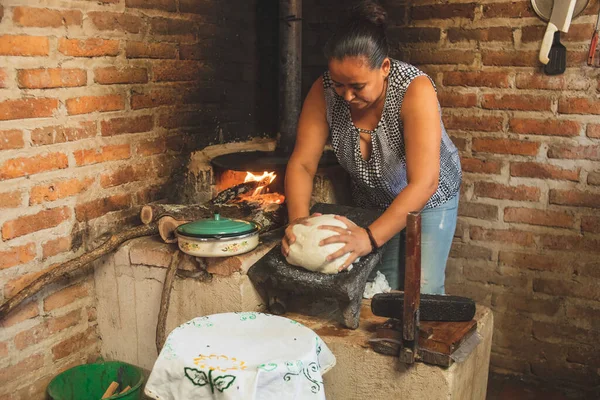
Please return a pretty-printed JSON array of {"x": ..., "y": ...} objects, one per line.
[{"x": 217, "y": 237}]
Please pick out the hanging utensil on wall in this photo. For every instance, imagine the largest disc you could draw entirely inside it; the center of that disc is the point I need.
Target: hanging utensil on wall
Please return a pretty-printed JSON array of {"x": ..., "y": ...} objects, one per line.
[
  {"x": 560, "y": 20},
  {"x": 594, "y": 43}
]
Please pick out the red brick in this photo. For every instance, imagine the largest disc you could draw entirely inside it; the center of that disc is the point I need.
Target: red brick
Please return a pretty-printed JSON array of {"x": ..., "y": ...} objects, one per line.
[
  {"x": 150, "y": 147},
  {"x": 511, "y": 236},
  {"x": 17, "y": 255},
  {"x": 590, "y": 224},
  {"x": 166, "y": 5},
  {"x": 459, "y": 142},
  {"x": 62, "y": 134},
  {"x": 154, "y": 98},
  {"x": 584, "y": 316},
  {"x": 119, "y": 177},
  {"x": 478, "y": 166},
  {"x": 88, "y": 47},
  {"x": 534, "y": 33},
  {"x": 11, "y": 139},
  {"x": 21, "y": 313},
  {"x": 513, "y": 9},
  {"x": 23, "y": 166},
  {"x": 575, "y": 152},
  {"x": 570, "y": 243},
  {"x": 32, "y": 223},
  {"x": 504, "y": 192},
  {"x": 525, "y": 303},
  {"x": 27, "y": 366},
  {"x": 448, "y": 99},
  {"x": 492, "y": 34},
  {"x": 569, "y": 288},
  {"x": 586, "y": 355},
  {"x": 520, "y": 58},
  {"x": 46, "y": 18},
  {"x": 46, "y": 329},
  {"x": 558, "y": 333},
  {"x": 15, "y": 45},
  {"x": 476, "y": 79},
  {"x": 88, "y": 104},
  {"x": 43, "y": 78},
  {"x": 171, "y": 71},
  {"x": 59, "y": 190},
  {"x": 505, "y": 146},
  {"x": 75, "y": 343},
  {"x": 576, "y": 198},
  {"x": 56, "y": 246},
  {"x": 535, "y": 262},
  {"x": 11, "y": 199},
  {"x": 579, "y": 33},
  {"x": 151, "y": 50},
  {"x": 594, "y": 178},
  {"x": 581, "y": 105},
  {"x": 516, "y": 102},
  {"x": 472, "y": 123},
  {"x": 100, "y": 207},
  {"x": 180, "y": 28},
  {"x": 593, "y": 131},
  {"x": 110, "y": 21},
  {"x": 113, "y": 75},
  {"x": 106, "y": 153},
  {"x": 550, "y": 127},
  {"x": 438, "y": 57},
  {"x": 117, "y": 126},
  {"x": 3, "y": 78},
  {"x": 27, "y": 108},
  {"x": 395, "y": 34},
  {"x": 537, "y": 81},
  {"x": 182, "y": 119},
  {"x": 539, "y": 217},
  {"x": 543, "y": 171},
  {"x": 477, "y": 210},
  {"x": 443, "y": 11},
  {"x": 463, "y": 250},
  {"x": 65, "y": 296}
]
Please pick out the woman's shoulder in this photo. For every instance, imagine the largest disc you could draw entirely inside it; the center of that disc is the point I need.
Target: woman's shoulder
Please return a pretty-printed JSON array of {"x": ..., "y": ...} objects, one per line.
[{"x": 403, "y": 74}]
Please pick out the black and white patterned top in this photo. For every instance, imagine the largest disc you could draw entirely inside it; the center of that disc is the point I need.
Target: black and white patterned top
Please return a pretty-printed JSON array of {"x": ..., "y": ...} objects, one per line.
[{"x": 377, "y": 181}]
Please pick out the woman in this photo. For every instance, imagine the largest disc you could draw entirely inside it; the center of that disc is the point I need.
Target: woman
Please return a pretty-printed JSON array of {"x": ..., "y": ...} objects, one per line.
[{"x": 384, "y": 121}]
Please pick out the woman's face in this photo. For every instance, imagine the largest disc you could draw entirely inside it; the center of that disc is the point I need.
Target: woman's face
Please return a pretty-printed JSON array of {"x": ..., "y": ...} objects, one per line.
[{"x": 355, "y": 81}]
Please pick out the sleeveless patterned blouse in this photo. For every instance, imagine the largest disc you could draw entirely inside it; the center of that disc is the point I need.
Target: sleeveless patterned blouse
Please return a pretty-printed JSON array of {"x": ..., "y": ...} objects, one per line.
[{"x": 377, "y": 181}]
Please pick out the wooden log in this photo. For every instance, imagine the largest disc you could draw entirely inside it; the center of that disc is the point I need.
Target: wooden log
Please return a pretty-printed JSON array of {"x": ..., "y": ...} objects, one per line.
[
  {"x": 75, "y": 264},
  {"x": 233, "y": 192},
  {"x": 153, "y": 212},
  {"x": 110, "y": 390},
  {"x": 166, "y": 228},
  {"x": 161, "y": 327}
]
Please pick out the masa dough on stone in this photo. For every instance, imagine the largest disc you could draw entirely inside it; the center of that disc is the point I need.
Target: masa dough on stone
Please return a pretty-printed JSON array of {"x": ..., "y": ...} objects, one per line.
[{"x": 305, "y": 251}]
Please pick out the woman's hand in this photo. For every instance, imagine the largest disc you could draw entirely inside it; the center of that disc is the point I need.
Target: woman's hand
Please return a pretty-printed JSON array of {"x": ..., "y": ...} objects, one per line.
[
  {"x": 356, "y": 240},
  {"x": 289, "y": 238}
]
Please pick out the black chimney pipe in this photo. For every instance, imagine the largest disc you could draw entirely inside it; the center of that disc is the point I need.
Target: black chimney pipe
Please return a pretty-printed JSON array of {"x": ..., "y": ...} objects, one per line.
[{"x": 290, "y": 73}]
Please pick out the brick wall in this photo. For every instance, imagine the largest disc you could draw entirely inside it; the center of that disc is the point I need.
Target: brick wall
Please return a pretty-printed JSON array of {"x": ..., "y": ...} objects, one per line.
[
  {"x": 528, "y": 238},
  {"x": 101, "y": 102}
]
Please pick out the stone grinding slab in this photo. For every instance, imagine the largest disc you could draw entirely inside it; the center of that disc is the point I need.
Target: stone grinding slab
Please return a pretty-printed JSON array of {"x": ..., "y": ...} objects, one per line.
[{"x": 281, "y": 283}]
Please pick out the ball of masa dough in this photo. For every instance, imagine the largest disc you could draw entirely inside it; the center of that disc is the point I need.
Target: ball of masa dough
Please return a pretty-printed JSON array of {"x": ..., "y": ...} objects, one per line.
[{"x": 305, "y": 251}]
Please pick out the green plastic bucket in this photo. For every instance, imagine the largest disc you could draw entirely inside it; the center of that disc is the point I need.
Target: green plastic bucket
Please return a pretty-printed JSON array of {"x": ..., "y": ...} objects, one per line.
[{"x": 90, "y": 381}]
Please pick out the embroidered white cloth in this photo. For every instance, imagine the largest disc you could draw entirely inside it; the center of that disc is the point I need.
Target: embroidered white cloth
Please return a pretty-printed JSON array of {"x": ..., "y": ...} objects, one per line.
[{"x": 246, "y": 355}]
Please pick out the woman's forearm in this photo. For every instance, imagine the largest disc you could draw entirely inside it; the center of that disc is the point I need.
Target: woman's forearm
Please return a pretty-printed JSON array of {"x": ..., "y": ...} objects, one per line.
[
  {"x": 298, "y": 189},
  {"x": 393, "y": 220}
]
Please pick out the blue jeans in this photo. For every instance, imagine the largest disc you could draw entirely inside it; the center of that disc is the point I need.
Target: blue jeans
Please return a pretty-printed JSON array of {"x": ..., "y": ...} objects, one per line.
[{"x": 437, "y": 230}]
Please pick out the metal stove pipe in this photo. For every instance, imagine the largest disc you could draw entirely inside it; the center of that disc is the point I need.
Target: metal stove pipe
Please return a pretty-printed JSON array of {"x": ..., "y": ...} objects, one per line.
[{"x": 290, "y": 72}]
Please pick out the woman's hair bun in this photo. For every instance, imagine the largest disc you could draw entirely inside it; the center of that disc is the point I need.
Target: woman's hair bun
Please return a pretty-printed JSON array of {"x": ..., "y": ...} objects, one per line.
[{"x": 370, "y": 11}]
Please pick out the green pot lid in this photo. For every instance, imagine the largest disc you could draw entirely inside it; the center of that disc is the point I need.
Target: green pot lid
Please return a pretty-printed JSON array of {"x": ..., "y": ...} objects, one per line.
[{"x": 217, "y": 227}]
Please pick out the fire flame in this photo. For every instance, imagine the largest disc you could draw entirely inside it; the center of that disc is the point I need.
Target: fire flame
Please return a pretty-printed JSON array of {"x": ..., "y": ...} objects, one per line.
[{"x": 265, "y": 180}]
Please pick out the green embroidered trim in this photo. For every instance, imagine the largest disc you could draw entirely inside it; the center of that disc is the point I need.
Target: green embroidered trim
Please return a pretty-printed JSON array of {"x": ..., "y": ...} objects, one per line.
[{"x": 199, "y": 378}]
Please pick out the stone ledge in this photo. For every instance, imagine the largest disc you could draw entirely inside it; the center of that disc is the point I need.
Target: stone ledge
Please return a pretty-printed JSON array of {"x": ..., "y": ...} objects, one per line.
[{"x": 152, "y": 251}]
